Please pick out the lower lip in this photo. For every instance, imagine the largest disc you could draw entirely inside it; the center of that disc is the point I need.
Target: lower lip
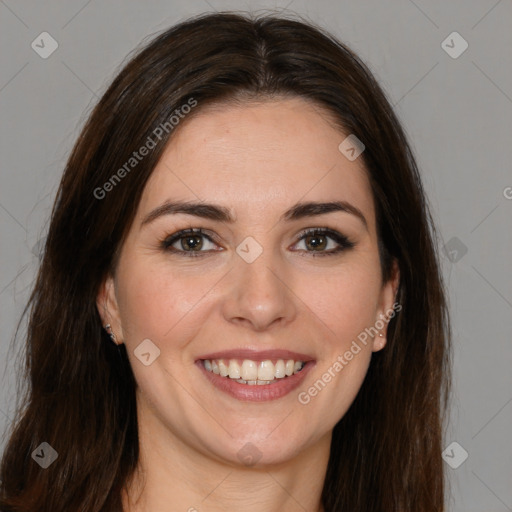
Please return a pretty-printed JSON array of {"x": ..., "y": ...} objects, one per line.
[{"x": 257, "y": 393}]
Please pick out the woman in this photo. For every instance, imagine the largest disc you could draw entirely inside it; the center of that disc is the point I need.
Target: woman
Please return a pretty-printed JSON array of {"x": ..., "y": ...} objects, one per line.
[{"x": 240, "y": 302}]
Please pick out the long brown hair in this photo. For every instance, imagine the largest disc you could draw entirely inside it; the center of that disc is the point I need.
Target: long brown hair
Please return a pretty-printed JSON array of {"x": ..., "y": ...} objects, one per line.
[{"x": 80, "y": 399}]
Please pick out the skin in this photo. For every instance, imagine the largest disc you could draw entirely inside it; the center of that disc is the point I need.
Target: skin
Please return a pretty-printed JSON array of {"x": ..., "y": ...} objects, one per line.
[{"x": 257, "y": 160}]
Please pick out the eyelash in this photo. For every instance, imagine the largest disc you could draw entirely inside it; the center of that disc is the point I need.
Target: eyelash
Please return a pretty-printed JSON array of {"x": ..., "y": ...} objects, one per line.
[{"x": 343, "y": 242}]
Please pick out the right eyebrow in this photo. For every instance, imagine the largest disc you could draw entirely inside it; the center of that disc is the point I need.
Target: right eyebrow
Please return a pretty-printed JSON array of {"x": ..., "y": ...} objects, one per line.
[{"x": 204, "y": 210}]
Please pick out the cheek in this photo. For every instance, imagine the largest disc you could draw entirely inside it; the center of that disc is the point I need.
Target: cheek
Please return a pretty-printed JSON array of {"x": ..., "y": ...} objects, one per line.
[
  {"x": 345, "y": 302},
  {"x": 156, "y": 301},
  {"x": 147, "y": 306},
  {"x": 343, "y": 307},
  {"x": 347, "y": 305}
]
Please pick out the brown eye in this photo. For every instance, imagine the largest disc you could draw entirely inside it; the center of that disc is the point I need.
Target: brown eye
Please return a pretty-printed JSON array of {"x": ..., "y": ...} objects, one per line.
[
  {"x": 189, "y": 242},
  {"x": 324, "y": 242},
  {"x": 316, "y": 242},
  {"x": 194, "y": 242}
]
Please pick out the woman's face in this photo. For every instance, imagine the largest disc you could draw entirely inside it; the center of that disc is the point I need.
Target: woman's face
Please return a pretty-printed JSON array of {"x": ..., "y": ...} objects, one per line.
[{"x": 251, "y": 292}]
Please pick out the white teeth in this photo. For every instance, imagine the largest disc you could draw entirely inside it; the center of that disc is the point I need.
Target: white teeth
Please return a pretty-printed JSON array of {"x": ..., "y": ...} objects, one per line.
[
  {"x": 253, "y": 372},
  {"x": 266, "y": 370},
  {"x": 234, "y": 370},
  {"x": 280, "y": 369},
  {"x": 223, "y": 369},
  {"x": 249, "y": 370}
]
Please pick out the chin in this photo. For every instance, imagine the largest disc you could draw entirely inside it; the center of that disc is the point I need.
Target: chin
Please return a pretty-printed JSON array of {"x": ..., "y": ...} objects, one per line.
[{"x": 258, "y": 451}]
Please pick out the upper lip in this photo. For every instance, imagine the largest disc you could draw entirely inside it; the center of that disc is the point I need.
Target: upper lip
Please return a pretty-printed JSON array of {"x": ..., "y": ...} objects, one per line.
[{"x": 257, "y": 355}]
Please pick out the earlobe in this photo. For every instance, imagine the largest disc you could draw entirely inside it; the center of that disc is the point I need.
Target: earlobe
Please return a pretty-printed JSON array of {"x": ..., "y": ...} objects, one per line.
[
  {"x": 106, "y": 303},
  {"x": 379, "y": 342}
]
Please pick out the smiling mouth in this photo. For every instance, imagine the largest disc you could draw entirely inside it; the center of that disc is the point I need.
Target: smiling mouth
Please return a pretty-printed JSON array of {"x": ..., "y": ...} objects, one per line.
[{"x": 253, "y": 373}]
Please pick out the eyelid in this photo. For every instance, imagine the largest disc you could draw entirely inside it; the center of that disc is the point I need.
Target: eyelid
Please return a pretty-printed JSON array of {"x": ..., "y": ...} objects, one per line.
[
  {"x": 173, "y": 237},
  {"x": 342, "y": 240}
]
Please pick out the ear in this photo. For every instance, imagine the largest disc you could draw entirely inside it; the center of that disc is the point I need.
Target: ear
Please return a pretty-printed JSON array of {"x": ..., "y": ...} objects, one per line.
[
  {"x": 388, "y": 307},
  {"x": 108, "y": 309}
]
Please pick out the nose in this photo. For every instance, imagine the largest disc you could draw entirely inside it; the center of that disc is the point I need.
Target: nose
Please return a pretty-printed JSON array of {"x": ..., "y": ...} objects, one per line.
[{"x": 259, "y": 295}]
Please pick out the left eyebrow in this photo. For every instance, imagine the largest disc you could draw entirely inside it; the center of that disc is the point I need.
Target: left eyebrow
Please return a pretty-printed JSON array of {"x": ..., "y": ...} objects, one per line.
[
  {"x": 311, "y": 209},
  {"x": 222, "y": 214}
]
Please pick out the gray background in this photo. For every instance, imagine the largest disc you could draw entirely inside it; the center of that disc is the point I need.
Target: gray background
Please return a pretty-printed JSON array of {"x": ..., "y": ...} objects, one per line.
[{"x": 457, "y": 112}]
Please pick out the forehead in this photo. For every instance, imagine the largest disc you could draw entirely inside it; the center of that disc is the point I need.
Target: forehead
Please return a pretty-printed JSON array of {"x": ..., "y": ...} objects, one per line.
[{"x": 258, "y": 158}]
